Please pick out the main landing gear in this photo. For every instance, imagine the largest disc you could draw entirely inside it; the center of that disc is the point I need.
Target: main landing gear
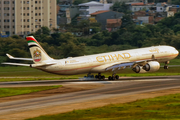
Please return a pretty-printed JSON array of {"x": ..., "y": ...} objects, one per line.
[
  {"x": 165, "y": 66},
  {"x": 89, "y": 76},
  {"x": 100, "y": 77},
  {"x": 113, "y": 77}
]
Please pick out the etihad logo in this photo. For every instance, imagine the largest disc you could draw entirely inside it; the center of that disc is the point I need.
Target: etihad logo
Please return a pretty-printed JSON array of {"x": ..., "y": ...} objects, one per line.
[
  {"x": 37, "y": 55},
  {"x": 113, "y": 57},
  {"x": 154, "y": 50}
]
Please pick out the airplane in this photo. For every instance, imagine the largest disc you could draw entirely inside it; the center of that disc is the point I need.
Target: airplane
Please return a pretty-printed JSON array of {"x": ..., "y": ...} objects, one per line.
[{"x": 140, "y": 60}]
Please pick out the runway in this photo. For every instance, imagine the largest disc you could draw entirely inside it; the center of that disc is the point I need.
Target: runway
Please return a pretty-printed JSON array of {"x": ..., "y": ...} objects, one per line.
[
  {"x": 81, "y": 80},
  {"x": 110, "y": 89}
]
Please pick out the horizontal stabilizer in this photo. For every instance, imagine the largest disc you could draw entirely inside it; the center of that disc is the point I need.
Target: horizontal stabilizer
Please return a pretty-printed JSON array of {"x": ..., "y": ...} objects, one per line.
[
  {"x": 15, "y": 58},
  {"x": 42, "y": 65},
  {"x": 18, "y": 64}
]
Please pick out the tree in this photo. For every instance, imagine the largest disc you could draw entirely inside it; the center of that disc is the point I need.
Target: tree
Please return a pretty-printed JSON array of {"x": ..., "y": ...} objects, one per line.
[
  {"x": 77, "y": 2},
  {"x": 70, "y": 49},
  {"x": 177, "y": 2},
  {"x": 43, "y": 30},
  {"x": 176, "y": 28},
  {"x": 16, "y": 37},
  {"x": 120, "y": 7},
  {"x": 70, "y": 46},
  {"x": 57, "y": 1},
  {"x": 175, "y": 41},
  {"x": 17, "y": 52},
  {"x": 127, "y": 21}
]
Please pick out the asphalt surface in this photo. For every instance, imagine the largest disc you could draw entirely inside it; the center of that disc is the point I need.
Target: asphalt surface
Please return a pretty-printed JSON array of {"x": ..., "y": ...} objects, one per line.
[
  {"x": 123, "y": 87},
  {"x": 82, "y": 80}
]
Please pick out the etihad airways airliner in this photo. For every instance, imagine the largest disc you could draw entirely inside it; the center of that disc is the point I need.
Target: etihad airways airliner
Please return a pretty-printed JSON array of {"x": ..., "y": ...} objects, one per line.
[{"x": 140, "y": 60}]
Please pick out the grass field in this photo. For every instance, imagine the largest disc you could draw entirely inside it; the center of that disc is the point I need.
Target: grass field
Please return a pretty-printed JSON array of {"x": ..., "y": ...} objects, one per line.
[
  {"x": 27, "y": 73},
  {"x": 160, "y": 108},
  {"x": 5, "y": 92}
]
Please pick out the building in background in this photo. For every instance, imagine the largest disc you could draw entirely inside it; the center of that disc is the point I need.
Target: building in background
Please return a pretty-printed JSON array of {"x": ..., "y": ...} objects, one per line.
[
  {"x": 22, "y": 17},
  {"x": 145, "y": 1},
  {"x": 113, "y": 24},
  {"x": 66, "y": 13},
  {"x": 86, "y": 9},
  {"x": 71, "y": 13},
  {"x": 113, "y": 1},
  {"x": 112, "y": 17}
]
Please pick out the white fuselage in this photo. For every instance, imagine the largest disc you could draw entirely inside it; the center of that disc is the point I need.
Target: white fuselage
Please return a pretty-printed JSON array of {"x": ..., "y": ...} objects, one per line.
[{"x": 96, "y": 63}]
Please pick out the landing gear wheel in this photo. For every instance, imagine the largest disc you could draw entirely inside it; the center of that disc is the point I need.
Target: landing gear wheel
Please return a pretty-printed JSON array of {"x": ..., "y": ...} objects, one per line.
[
  {"x": 165, "y": 67},
  {"x": 113, "y": 78},
  {"x": 109, "y": 78},
  {"x": 99, "y": 77},
  {"x": 103, "y": 77},
  {"x": 117, "y": 77},
  {"x": 92, "y": 76}
]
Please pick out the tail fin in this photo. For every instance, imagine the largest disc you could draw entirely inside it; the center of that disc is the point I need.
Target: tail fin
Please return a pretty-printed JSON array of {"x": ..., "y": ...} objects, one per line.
[{"x": 37, "y": 52}]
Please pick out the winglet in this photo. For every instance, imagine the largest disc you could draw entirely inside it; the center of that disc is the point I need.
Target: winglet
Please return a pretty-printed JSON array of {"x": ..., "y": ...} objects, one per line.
[{"x": 9, "y": 56}]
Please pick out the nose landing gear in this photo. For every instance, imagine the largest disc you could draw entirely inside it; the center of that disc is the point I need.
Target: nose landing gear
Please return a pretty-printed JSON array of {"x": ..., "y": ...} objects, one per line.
[{"x": 165, "y": 66}]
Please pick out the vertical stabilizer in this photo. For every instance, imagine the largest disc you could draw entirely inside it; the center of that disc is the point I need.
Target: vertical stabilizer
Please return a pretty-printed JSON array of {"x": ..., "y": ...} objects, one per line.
[{"x": 37, "y": 52}]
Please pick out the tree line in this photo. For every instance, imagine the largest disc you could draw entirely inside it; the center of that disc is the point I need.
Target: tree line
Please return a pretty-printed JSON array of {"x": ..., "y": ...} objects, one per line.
[{"x": 62, "y": 45}]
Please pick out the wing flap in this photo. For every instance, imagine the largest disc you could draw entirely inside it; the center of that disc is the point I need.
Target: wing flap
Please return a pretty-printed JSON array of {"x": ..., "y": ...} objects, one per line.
[
  {"x": 120, "y": 66},
  {"x": 125, "y": 64}
]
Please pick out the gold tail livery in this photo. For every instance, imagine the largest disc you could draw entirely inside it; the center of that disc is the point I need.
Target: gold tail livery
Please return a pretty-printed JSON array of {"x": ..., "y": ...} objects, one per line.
[{"x": 140, "y": 60}]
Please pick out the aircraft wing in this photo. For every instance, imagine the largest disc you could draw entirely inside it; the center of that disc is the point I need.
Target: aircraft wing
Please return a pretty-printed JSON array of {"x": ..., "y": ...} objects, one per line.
[
  {"x": 125, "y": 64},
  {"x": 120, "y": 66},
  {"x": 15, "y": 58}
]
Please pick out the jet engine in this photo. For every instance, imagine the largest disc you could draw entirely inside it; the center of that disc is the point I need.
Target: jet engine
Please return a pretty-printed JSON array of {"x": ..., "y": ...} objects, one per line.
[
  {"x": 139, "y": 69},
  {"x": 151, "y": 66}
]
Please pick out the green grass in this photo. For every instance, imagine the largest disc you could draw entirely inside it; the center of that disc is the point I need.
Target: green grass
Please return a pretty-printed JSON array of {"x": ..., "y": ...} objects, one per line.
[
  {"x": 6, "y": 92},
  {"x": 12, "y": 73},
  {"x": 2, "y": 59},
  {"x": 174, "y": 62},
  {"x": 27, "y": 73},
  {"x": 160, "y": 108}
]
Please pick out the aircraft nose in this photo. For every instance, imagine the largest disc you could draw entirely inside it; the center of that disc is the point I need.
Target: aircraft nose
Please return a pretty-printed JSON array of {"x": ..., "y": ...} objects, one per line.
[{"x": 176, "y": 52}]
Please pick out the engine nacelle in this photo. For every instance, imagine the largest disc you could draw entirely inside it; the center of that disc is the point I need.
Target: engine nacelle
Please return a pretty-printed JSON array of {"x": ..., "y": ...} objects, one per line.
[
  {"x": 151, "y": 66},
  {"x": 139, "y": 69}
]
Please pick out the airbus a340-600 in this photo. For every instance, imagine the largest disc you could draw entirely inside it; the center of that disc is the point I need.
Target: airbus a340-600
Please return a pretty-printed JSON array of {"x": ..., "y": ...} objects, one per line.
[{"x": 140, "y": 60}]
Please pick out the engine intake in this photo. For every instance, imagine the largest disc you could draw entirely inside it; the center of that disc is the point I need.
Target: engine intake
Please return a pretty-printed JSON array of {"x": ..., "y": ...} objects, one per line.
[
  {"x": 151, "y": 66},
  {"x": 139, "y": 69}
]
